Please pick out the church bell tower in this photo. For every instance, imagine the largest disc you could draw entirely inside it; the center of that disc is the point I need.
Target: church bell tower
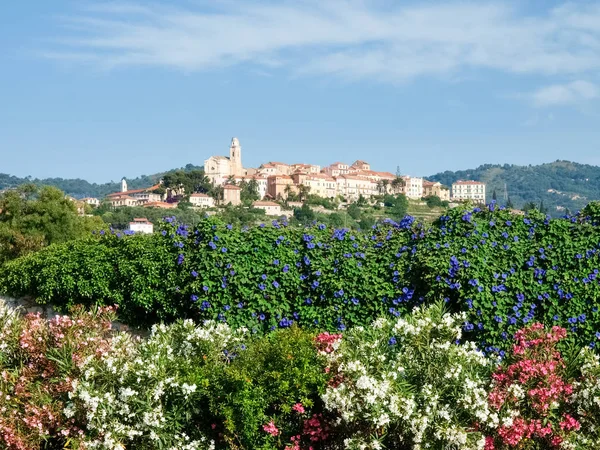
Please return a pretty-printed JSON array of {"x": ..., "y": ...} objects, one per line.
[{"x": 235, "y": 157}]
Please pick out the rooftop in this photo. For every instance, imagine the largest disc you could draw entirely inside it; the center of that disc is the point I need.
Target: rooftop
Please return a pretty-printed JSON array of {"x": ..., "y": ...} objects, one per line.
[
  {"x": 264, "y": 203},
  {"x": 469, "y": 182}
]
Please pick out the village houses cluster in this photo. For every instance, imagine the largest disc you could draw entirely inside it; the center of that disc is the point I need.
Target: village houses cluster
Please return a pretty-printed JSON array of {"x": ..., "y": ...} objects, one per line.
[{"x": 277, "y": 180}]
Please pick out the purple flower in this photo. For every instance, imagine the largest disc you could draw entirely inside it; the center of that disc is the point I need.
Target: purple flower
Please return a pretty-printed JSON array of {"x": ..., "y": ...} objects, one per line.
[
  {"x": 194, "y": 273},
  {"x": 275, "y": 284},
  {"x": 205, "y": 288}
]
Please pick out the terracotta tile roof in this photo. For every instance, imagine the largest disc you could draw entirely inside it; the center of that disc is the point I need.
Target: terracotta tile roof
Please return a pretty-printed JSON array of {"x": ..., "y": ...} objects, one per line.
[
  {"x": 468, "y": 182},
  {"x": 264, "y": 203},
  {"x": 163, "y": 205},
  {"x": 232, "y": 187},
  {"x": 135, "y": 191},
  {"x": 199, "y": 195},
  {"x": 142, "y": 220}
]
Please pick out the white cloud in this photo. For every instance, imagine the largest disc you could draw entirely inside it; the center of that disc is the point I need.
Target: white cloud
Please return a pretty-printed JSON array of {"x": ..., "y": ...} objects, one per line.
[
  {"x": 349, "y": 38},
  {"x": 564, "y": 94}
]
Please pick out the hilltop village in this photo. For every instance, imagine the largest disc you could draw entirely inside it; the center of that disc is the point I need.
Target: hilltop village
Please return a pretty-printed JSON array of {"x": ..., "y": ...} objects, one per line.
[{"x": 277, "y": 181}]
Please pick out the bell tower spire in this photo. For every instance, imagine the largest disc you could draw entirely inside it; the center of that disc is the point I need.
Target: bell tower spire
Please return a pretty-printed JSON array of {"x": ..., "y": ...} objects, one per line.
[{"x": 235, "y": 157}]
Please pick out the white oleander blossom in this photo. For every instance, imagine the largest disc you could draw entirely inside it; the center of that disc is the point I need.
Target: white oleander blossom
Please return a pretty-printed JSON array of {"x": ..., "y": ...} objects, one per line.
[
  {"x": 144, "y": 394},
  {"x": 586, "y": 398},
  {"x": 407, "y": 382}
]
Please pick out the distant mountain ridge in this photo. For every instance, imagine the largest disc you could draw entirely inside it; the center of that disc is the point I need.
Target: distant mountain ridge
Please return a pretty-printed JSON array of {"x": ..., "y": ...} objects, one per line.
[
  {"x": 79, "y": 188},
  {"x": 561, "y": 185}
]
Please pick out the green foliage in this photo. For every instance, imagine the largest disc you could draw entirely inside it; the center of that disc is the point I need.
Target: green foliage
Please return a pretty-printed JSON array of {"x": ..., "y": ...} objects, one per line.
[
  {"x": 82, "y": 188},
  {"x": 563, "y": 184},
  {"x": 187, "y": 181},
  {"x": 326, "y": 203},
  {"x": 435, "y": 202},
  {"x": 264, "y": 382},
  {"x": 503, "y": 270},
  {"x": 354, "y": 211},
  {"x": 32, "y": 218},
  {"x": 249, "y": 191},
  {"x": 119, "y": 218},
  {"x": 205, "y": 382},
  {"x": 304, "y": 215}
]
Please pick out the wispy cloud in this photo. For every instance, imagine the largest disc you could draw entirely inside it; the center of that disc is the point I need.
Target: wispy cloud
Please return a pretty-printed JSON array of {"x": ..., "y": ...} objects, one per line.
[
  {"x": 564, "y": 94},
  {"x": 349, "y": 38}
]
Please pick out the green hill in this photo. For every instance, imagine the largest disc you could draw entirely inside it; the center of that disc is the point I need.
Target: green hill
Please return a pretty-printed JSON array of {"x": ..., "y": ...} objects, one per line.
[
  {"x": 79, "y": 188},
  {"x": 561, "y": 185}
]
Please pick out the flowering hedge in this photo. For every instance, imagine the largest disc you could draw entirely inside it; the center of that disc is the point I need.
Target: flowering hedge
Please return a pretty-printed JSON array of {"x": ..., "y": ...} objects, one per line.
[
  {"x": 403, "y": 383},
  {"x": 503, "y": 270}
]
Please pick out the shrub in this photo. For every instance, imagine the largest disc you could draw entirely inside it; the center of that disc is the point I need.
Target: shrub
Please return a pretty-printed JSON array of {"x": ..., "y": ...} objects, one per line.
[
  {"x": 38, "y": 361},
  {"x": 503, "y": 270},
  {"x": 194, "y": 387},
  {"x": 586, "y": 401},
  {"x": 532, "y": 393},
  {"x": 153, "y": 394},
  {"x": 269, "y": 396},
  {"x": 409, "y": 384}
]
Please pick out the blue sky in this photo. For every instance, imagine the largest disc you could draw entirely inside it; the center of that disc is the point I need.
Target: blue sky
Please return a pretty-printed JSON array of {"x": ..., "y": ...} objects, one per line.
[{"x": 105, "y": 89}]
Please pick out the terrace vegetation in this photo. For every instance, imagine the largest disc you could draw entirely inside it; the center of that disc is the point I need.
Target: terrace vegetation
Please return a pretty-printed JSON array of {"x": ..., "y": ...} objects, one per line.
[{"x": 300, "y": 333}]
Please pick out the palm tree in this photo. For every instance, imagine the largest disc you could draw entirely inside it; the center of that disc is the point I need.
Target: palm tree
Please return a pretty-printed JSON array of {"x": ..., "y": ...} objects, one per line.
[
  {"x": 303, "y": 192},
  {"x": 290, "y": 194},
  {"x": 218, "y": 193},
  {"x": 231, "y": 179},
  {"x": 380, "y": 187},
  {"x": 385, "y": 184},
  {"x": 397, "y": 184}
]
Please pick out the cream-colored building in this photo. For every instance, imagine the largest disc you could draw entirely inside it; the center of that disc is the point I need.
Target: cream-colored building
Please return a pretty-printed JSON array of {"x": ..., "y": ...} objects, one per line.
[
  {"x": 281, "y": 168},
  {"x": 359, "y": 166},
  {"x": 91, "y": 201},
  {"x": 219, "y": 168},
  {"x": 321, "y": 185},
  {"x": 351, "y": 187},
  {"x": 232, "y": 195},
  {"x": 270, "y": 208},
  {"x": 141, "y": 225},
  {"x": 122, "y": 200},
  {"x": 413, "y": 187},
  {"x": 437, "y": 189},
  {"x": 305, "y": 169},
  {"x": 277, "y": 186},
  {"x": 200, "y": 200},
  {"x": 468, "y": 190},
  {"x": 336, "y": 169},
  {"x": 134, "y": 197}
]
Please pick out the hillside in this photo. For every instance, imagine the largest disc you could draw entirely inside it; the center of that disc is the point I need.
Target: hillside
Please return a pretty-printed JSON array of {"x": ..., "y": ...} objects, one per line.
[
  {"x": 561, "y": 185},
  {"x": 81, "y": 188}
]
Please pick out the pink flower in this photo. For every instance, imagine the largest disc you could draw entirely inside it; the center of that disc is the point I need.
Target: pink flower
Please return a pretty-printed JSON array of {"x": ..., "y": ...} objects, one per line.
[
  {"x": 298, "y": 408},
  {"x": 271, "y": 429}
]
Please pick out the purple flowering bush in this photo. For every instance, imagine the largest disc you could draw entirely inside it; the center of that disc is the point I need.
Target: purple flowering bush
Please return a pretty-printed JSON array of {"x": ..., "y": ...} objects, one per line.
[{"x": 503, "y": 270}]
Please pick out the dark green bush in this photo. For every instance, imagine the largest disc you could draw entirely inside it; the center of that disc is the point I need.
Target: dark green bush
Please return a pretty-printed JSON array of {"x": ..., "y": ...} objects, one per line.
[{"x": 503, "y": 270}]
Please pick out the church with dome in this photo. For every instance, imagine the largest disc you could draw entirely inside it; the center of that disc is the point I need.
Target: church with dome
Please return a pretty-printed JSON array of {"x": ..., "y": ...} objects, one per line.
[{"x": 219, "y": 168}]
